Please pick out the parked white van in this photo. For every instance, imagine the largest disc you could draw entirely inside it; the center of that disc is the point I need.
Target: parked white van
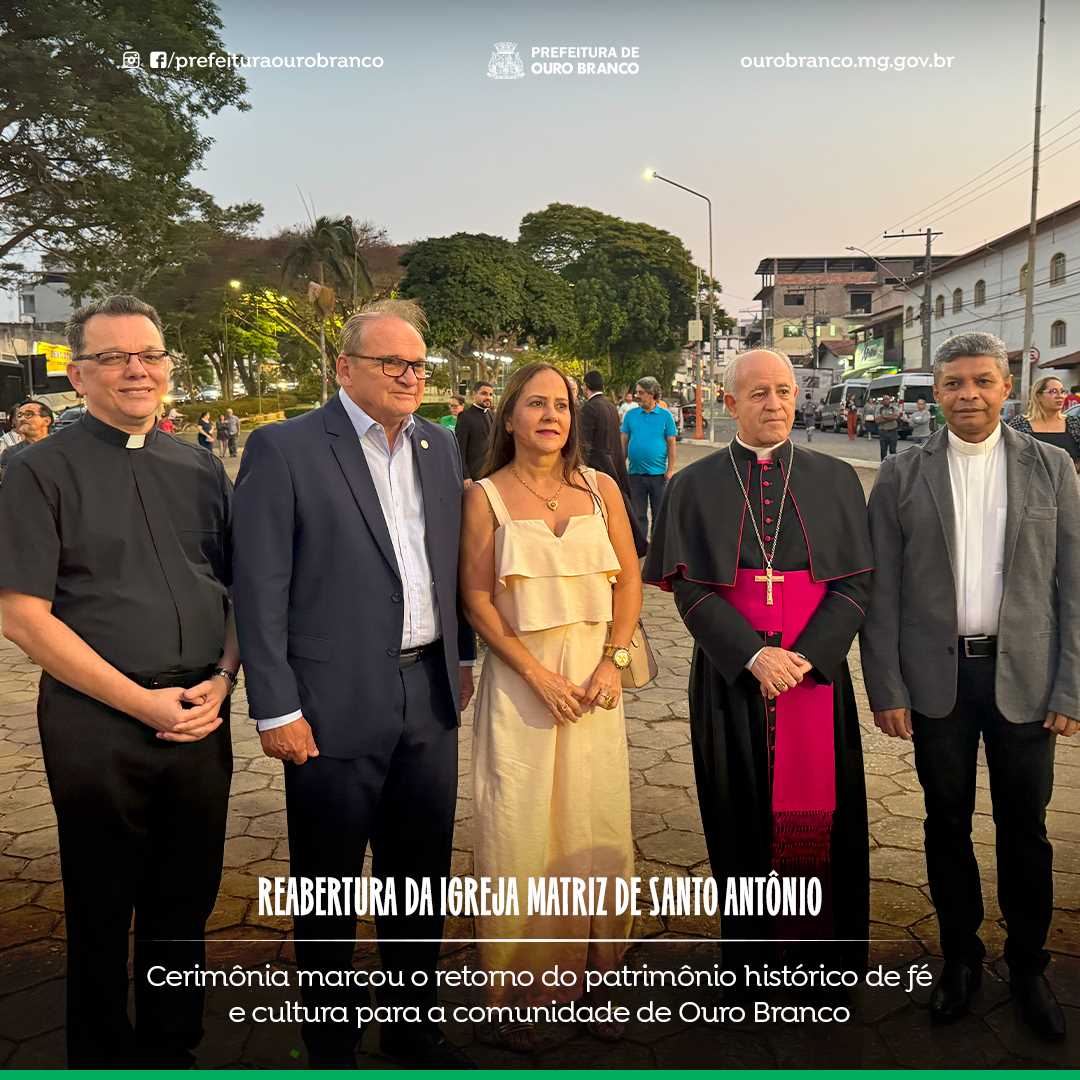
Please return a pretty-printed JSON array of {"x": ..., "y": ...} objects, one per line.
[
  {"x": 833, "y": 417},
  {"x": 905, "y": 388}
]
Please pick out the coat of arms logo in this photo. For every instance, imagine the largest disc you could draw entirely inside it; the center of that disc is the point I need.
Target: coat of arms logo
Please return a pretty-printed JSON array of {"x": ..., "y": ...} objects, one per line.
[{"x": 505, "y": 62}]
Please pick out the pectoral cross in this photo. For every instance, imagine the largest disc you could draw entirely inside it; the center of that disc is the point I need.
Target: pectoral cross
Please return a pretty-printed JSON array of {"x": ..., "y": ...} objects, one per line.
[{"x": 768, "y": 577}]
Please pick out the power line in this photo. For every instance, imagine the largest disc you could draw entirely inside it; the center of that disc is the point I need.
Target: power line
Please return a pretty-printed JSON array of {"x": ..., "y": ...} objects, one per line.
[
  {"x": 1006, "y": 314},
  {"x": 1016, "y": 292},
  {"x": 1024, "y": 171},
  {"x": 919, "y": 213}
]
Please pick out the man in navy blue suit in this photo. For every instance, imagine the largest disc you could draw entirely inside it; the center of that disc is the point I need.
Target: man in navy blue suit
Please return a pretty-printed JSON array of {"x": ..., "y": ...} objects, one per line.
[{"x": 345, "y": 535}]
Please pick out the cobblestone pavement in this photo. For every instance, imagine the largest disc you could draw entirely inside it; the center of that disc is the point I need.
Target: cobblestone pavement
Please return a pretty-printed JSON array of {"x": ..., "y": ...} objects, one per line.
[{"x": 889, "y": 1027}]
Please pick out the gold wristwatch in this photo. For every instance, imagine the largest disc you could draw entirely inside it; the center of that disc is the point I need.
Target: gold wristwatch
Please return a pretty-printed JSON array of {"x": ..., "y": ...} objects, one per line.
[{"x": 619, "y": 656}]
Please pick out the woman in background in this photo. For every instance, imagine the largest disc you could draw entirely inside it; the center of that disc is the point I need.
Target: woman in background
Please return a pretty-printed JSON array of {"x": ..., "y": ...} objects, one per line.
[
  {"x": 222, "y": 433},
  {"x": 1045, "y": 419},
  {"x": 206, "y": 432}
]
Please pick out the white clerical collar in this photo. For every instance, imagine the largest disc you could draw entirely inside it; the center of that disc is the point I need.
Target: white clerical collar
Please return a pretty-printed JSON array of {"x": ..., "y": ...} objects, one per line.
[
  {"x": 761, "y": 451},
  {"x": 979, "y": 449},
  {"x": 136, "y": 442}
]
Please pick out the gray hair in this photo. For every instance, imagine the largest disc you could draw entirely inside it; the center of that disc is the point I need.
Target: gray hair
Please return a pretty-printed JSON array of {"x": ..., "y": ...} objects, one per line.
[
  {"x": 650, "y": 386},
  {"x": 352, "y": 333},
  {"x": 121, "y": 304},
  {"x": 977, "y": 343},
  {"x": 731, "y": 371}
]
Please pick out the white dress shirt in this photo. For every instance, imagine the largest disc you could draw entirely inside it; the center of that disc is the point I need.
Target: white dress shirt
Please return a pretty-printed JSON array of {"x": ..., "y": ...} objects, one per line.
[
  {"x": 397, "y": 484},
  {"x": 980, "y": 501}
]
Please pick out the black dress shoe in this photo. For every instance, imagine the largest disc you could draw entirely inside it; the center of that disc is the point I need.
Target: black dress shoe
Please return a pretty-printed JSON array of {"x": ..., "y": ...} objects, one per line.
[
  {"x": 951, "y": 997},
  {"x": 1038, "y": 1006},
  {"x": 422, "y": 1047}
]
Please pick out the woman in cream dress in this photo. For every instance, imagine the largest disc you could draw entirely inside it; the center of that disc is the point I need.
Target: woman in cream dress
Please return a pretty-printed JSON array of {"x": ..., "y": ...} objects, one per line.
[{"x": 550, "y": 580}]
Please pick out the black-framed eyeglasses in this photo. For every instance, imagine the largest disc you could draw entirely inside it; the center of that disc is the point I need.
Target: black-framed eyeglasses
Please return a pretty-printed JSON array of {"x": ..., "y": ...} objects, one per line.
[
  {"x": 394, "y": 367},
  {"x": 24, "y": 414},
  {"x": 118, "y": 357}
]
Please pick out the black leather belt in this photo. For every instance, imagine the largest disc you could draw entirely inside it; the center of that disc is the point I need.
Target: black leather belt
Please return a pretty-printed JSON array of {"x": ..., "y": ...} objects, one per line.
[
  {"x": 190, "y": 677},
  {"x": 408, "y": 657},
  {"x": 978, "y": 647}
]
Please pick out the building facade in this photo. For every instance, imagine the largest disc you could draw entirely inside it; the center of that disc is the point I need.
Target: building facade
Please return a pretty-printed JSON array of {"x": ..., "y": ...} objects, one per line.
[
  {"x": 45, "y": 302},
  {"x": 820, "y": 298},
  {"x": 984, "y": 290}
]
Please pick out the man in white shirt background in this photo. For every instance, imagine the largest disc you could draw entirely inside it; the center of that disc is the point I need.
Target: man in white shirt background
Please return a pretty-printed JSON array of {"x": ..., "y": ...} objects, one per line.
[{"x": 990, "y": 525}]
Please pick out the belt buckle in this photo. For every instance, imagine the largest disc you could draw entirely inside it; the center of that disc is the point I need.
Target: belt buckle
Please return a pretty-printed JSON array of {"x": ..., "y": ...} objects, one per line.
[{"x": 980, "y": 639}]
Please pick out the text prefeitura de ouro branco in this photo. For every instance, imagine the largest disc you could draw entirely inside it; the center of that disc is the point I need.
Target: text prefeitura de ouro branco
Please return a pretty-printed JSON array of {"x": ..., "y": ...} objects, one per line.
[{"x": 552, "y": 896}]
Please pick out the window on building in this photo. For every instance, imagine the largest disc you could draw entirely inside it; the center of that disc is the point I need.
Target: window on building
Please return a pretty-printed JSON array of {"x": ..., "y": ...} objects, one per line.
[
  {"x": 957, "y": 300},
  {"x": 794, "y": 299},
  {"x": 980, "y": 292},
  {"x": 1023, "y": 277},
  {"x": 793, "y": 330},
  {"x": 860, "y": 302},
  {"x": 909, "y": 317},
  {"x": 890, "y": 339},
  {"x": 1057, "y": 334},
  {"x": 939, "y": 307},
  {"x": 28, "y": 303},
  {"x": 1057, "y": 269}
]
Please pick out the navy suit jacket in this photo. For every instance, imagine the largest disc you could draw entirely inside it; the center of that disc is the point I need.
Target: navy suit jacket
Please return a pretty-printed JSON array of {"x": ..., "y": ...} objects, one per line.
[{"x": 319, "y": 606}]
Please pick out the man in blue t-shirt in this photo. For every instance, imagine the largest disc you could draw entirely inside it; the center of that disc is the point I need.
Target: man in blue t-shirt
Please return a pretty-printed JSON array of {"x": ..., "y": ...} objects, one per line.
[{"x": 648, "y": 435}]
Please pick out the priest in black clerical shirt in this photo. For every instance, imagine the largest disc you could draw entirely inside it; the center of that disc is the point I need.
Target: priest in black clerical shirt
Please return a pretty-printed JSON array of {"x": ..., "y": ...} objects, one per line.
[
  {"x": 767, "y": 552},
  {"x": 115, "y": 580}
]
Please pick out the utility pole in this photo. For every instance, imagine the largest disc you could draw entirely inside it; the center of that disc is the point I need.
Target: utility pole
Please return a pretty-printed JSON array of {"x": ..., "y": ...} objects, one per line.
[
  {"x": 712, "y": 334},
  {"x": 1029, "y": 285},
  {"x": 814, "y": 289},
  {"x": 925, "y": 306},
  {"x": 699, "y": 364}
]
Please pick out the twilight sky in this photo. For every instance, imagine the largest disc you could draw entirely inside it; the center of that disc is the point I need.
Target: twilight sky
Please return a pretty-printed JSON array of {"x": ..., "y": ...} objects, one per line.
[{"x": 796, "y": 161}]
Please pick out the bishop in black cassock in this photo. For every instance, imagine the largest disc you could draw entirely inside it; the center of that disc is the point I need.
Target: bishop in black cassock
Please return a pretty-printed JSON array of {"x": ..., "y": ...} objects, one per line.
[{"x": 780, "y": 782}]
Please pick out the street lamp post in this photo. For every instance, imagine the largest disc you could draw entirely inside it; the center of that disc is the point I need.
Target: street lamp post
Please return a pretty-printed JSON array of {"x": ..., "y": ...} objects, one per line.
[
  {"x": 652, "y": 174},
  {"x": 227, "y": 390}
]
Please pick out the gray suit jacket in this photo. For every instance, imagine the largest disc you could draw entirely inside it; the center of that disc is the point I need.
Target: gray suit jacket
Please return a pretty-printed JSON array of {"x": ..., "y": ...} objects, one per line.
[{"x": 909, "y": 655}]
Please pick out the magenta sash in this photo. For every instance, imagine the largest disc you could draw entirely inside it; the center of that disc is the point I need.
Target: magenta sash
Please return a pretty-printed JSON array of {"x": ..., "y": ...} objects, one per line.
[{"x": 804, "y": 776}]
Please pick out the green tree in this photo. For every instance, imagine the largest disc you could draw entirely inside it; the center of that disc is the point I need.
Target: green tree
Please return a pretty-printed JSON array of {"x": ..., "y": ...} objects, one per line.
[
  {"x": 633, "y": 286},
  {"x": 479, "y": 291},
  {"x": 95, "y": 158}
]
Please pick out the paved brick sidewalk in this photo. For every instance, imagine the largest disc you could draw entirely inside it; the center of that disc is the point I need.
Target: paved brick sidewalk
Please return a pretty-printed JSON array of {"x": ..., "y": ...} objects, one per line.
[{"x": 889, "y": 1029}]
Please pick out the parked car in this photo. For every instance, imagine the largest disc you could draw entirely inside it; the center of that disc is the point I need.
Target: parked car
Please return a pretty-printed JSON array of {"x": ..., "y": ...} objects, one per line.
[{"x": 69, "y": 417}]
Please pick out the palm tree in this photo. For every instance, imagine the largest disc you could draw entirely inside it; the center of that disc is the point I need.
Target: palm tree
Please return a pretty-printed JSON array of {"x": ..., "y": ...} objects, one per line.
[{"x": 323, "y": 252}]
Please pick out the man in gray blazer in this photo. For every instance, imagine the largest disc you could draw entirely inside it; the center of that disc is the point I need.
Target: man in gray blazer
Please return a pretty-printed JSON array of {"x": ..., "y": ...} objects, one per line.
[{"x": 986, "y": 521}]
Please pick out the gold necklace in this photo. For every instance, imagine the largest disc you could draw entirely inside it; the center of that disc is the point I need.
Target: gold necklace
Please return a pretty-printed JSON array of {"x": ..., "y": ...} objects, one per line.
[{"x": 552, "y": 502}]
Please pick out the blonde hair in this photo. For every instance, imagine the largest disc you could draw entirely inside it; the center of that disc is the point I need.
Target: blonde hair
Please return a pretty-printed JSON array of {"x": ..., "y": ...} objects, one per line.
[{"x": 1034, "y": 409}]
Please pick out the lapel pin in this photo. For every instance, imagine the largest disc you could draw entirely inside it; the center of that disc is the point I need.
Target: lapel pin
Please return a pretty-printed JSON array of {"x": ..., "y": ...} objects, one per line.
[{"x": 424, "y": 443}]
